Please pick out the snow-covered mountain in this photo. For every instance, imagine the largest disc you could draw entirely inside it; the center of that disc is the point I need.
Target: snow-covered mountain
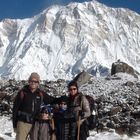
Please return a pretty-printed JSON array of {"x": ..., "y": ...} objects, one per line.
[{"x": 63, "y": 40}]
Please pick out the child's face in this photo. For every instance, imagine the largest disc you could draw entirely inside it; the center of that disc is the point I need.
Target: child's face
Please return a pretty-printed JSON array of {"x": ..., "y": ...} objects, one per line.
[
  {"x": 63, "y": 105},
  {"x": 44, "y": 116}
]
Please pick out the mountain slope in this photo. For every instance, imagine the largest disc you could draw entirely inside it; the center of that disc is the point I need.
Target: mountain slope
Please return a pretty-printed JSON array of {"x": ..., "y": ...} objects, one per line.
[{"x": 63, "y": 40}]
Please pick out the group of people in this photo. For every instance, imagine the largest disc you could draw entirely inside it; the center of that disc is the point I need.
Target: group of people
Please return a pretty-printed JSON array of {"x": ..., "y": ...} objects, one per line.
[{"x": 38, "y": 116}]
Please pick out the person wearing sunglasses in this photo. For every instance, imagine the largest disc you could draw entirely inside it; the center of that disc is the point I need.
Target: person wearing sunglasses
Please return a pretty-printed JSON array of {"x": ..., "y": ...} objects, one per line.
[
  {"x": 79, "y": 110},
  {"x": 42, "y": 128},
  {"x": 27, "y": 105}
]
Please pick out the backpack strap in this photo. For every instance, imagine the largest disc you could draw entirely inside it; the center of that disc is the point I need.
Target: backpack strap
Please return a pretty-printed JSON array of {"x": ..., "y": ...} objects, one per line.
[
  {"x": 42, "y": 97},
  {"x": 80, "y": 100},
  {"x": 22, "y": 94}
]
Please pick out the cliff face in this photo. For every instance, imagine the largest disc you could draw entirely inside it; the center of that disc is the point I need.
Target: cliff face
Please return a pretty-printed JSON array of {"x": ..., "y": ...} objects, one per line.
[{"x": 64, "y": 40}]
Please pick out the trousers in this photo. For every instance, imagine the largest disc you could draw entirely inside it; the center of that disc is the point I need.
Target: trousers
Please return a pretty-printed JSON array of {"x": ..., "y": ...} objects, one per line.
[{"x": 23, "y": 130}]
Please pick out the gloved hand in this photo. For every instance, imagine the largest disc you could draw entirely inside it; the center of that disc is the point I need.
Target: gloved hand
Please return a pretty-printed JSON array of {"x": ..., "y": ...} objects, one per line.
[
  {"x": 81, "y": 113},
  {"x": 15, "y": 130},
  {"x": 52, "y": 131}
]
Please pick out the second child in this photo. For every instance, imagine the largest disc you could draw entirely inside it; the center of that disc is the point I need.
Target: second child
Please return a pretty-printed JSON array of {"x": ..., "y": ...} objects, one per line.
[{"x": 42, "y": 128}]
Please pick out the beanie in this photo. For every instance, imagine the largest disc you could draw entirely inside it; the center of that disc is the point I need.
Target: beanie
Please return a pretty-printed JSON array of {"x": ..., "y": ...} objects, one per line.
[
  {"x": 34, "y": 75},
  {"x": 45, "y": 109},
  {"x": 63, "y": 98}
]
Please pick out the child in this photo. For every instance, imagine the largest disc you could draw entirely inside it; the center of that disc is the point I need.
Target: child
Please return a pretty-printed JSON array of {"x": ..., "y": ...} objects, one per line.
[
  {"x": 42, "y": 128},
  {"x": 61, "y": 123}
]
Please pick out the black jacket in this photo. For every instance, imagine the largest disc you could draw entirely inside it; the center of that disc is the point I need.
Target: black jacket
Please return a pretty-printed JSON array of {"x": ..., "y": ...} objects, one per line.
[{"x": 27, "y": 105}]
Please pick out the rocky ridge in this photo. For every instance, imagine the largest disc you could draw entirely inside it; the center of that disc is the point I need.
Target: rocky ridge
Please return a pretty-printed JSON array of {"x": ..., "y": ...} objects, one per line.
[{"x": 117, "y": 99}]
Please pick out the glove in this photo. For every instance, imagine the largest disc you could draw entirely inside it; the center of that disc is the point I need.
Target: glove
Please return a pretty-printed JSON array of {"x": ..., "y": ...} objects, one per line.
[
  {"x": 81, "y": 113},
  {"x": 15, "y": 130},
  {"x": 52, "y": 131}
]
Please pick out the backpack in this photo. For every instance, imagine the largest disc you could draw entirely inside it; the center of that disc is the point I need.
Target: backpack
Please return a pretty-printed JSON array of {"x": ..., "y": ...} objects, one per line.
[
  {"x": 92, "y": 119},
  {"x": 91, "y": 102}
]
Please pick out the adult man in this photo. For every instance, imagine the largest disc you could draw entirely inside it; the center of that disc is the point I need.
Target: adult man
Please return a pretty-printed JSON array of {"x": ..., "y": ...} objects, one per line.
[{"x": 27, "y": 105}]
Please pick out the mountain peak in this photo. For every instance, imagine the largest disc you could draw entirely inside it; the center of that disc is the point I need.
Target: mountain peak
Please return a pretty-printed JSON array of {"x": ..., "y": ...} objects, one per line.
[{"x": 64, "y": 40}]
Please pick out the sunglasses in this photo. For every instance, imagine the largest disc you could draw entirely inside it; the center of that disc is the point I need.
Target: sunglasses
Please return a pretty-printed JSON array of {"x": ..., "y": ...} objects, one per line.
[
  {"x": 63, "y": 103},
  {"x": 71, "y": 89},
  {"x": 44, "y": 112},
  {"x": 33, "y": 81}
]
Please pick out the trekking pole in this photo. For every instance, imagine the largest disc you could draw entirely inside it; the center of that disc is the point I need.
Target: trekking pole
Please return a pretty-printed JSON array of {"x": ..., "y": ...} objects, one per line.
[
  {"x": 53, "y": 127},
  {"x": 78, "y": 123},
  {"x": 28, "y": 137},
  {"x": 78, "y": 128},
  {"x": 97, "y": 125}
]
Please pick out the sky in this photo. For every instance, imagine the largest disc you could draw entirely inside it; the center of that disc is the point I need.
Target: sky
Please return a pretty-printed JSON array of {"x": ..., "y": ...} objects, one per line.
[{"x": 28, "y": 8}]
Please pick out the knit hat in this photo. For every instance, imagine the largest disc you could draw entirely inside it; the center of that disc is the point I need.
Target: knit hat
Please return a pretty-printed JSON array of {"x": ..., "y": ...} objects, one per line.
[
  {"x": 63, "y": 98},
  {"x": 34, "y": 75},
  {"x": 45, "y": 109}
]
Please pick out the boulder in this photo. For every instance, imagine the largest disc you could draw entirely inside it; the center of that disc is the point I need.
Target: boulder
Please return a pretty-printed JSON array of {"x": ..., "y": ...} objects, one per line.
[
  {"x": 115, "y": 110},
  {"x": 119, "y": 66},
  {"x": 82, "y": 78}
]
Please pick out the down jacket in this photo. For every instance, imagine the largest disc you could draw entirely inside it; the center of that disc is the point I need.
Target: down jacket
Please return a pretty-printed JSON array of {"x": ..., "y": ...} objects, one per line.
[{"x": 79, "y": 103}]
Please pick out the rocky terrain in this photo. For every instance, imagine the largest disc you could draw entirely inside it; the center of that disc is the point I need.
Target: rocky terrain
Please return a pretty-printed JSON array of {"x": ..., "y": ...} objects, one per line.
[{"x": 117, "y": 99}]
